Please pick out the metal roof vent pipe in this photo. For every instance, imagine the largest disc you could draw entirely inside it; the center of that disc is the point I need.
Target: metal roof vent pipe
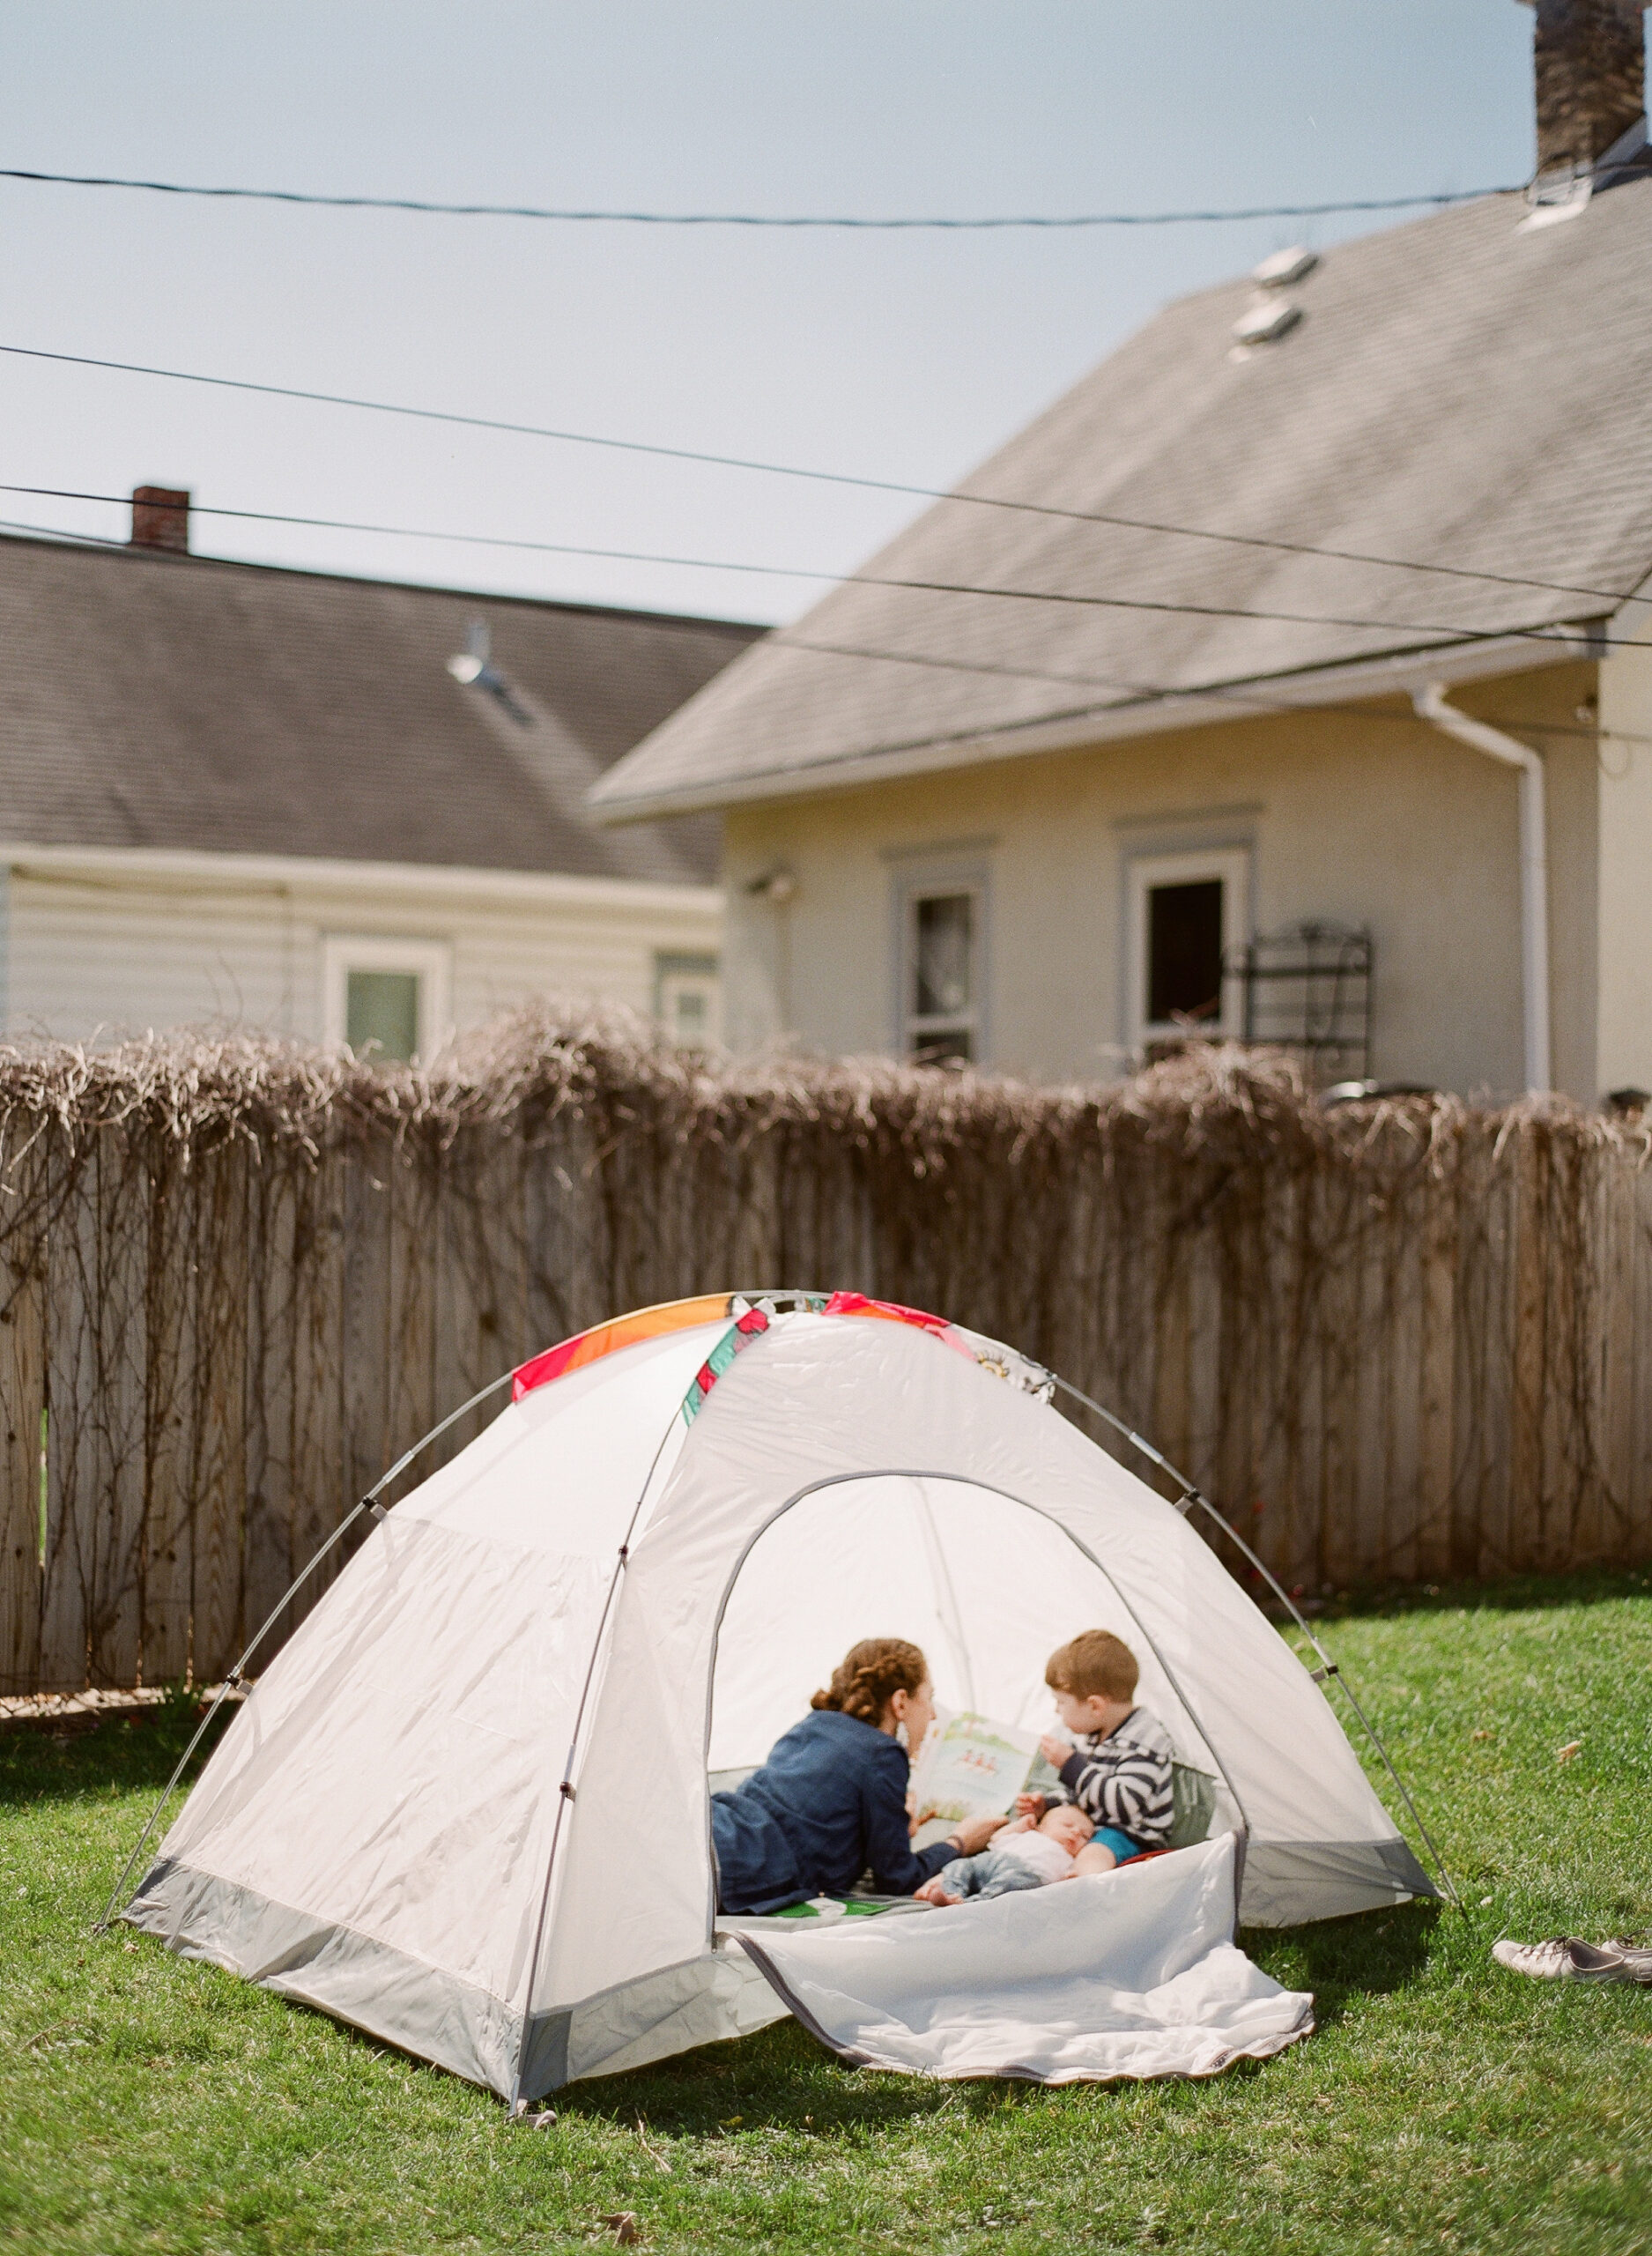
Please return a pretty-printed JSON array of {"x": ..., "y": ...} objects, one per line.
[
  {"x": 161, "y": 518},
  {"x": 1589, "y": 60}
]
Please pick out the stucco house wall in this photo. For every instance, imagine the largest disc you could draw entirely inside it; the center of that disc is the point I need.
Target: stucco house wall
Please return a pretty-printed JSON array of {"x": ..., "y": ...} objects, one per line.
[
  {"x": 1366, "y": 816},
  {"x": 1623, "y": 1038}
]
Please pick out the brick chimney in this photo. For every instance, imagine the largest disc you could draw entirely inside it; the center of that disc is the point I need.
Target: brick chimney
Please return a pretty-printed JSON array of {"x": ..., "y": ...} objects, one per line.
[
  {"x": 161, "y": 518},
  {"x": 1590, "y": 66}
]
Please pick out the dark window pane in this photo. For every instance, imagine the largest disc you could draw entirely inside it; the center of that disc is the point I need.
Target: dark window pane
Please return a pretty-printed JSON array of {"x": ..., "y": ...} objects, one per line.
[
  {"x": 382, "y": 1007},
  {"x": 1184, "y": 950},
  {"x": 941, "y": 956},
  {"x": 693, "y": 1014}
]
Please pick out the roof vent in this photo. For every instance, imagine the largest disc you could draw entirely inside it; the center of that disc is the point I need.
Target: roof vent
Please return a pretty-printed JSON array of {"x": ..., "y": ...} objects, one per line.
[
  {"x": 1266, "y": 320},
  {"x": 471, "y": 664},
  {"x": 474, "y": 667},
  {"x": 161, "y": 518},
  {"x": 1286, "y": 267}
]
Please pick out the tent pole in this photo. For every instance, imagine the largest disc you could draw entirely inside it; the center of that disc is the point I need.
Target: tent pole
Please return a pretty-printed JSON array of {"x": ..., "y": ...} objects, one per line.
[
  {"x": 566, "y": 1791},
  {"x": 1328, "y": 1667},
  {"x": 369, "y": 1502}
]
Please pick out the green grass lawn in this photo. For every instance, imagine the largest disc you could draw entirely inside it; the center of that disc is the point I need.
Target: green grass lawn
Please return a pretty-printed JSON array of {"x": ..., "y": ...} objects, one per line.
[{"x": 148, "y": 2104}]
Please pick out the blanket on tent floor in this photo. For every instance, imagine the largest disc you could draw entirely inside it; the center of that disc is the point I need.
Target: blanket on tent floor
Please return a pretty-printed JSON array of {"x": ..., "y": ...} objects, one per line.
[{"x": 1131, "y": 1973}]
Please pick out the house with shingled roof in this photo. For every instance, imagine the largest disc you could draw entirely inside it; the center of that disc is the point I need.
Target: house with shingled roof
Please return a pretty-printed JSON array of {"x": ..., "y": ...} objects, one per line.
[
  {"x": 333, "y": 808},
  {"x": 1290, "y": 680}
]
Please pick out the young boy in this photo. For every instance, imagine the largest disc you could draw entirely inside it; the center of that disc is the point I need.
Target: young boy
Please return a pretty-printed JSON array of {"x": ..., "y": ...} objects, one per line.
[
  {"x": 1118, "y": 1773},
  {"x": 1030, "y": 1853}
]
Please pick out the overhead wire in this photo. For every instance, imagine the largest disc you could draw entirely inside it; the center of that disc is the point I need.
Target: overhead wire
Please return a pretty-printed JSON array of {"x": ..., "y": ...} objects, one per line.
[
  {"x": 791, "y": 470},
  {"x": 792, "y": 220},
  {"x": 784, "y": 638},
  {"x": 422, "y": 532},
  {"x": 1222, "y": 694},
  {"x": 1455, "y": 632}
]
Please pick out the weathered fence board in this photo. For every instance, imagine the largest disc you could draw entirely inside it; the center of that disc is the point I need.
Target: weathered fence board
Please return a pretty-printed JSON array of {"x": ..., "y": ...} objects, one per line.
[
  {"x": 22, "y": 1414},
  {"x": 1397, "y": 1344}
]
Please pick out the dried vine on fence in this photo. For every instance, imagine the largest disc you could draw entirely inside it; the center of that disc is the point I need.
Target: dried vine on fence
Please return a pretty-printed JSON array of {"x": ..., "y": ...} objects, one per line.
[{"x": 1401, "y": 1340}]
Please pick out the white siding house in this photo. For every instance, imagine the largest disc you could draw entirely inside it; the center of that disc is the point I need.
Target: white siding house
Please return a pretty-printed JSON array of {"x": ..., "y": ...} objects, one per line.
[
  {"x": 98, "y": 943},
  {"x": 331, "y": 809}
]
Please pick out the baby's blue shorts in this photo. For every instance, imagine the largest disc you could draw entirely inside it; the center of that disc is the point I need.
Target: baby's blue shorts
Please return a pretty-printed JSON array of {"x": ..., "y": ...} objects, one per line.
[{"x": 1121, "y": 1844}]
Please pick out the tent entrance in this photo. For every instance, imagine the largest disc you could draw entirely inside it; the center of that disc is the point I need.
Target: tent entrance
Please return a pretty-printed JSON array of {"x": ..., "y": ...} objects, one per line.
[{"x": 984, "y": 1582}]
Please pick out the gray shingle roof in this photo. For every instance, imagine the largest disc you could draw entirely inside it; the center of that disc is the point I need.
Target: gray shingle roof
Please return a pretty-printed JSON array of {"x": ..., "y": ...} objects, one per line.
[
  {"x": 170, "y": 701},
  {"x": 1458, "y": 392}
]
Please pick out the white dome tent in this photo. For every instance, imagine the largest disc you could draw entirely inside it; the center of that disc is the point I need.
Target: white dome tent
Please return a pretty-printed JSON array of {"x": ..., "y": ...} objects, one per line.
[{"x": 466, "y": 1808}]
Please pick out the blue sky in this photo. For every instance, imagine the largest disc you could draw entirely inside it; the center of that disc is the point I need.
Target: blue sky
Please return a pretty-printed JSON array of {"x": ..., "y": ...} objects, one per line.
[{"x": 906, "y": 357}]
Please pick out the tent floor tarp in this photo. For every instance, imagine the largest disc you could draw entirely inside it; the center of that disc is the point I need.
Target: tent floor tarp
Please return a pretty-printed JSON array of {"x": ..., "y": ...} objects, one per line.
[{"x": 1131, "y": 1973}]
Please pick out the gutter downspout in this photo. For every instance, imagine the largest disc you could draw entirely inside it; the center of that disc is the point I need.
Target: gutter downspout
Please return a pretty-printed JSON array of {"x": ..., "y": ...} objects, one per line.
[{"x": 1432, "y": 706}]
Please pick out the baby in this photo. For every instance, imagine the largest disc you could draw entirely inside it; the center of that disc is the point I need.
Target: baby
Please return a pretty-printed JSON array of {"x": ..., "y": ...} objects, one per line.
[{"x": 1029, "y": 1853}]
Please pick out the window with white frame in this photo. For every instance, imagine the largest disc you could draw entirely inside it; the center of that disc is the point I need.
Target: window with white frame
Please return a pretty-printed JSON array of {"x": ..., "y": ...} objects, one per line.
[
  {"x": 390, "y": 999},
  {"x": 688, "y": 999},
  {"x": 1184, "y": 912},
  {"x": 941, "y": 966}
]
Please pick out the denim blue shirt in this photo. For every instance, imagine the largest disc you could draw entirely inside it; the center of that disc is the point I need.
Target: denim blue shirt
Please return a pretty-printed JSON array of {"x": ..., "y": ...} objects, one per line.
[{"x": 830, "y": 1802}]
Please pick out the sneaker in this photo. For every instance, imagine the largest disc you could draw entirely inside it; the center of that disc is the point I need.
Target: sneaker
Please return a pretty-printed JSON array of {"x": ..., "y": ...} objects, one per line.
[
  {"x": 1565, "y": 1959},
  {"x": 1637, "y": 1959}
]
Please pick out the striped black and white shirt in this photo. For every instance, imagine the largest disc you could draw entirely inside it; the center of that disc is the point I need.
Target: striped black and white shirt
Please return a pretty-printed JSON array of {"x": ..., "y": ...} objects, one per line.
[{"x": 1124, "y": 1780}]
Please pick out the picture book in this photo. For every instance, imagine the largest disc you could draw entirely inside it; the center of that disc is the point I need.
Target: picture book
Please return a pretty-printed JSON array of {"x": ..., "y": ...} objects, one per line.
[{"x": 970, "y": 1766}]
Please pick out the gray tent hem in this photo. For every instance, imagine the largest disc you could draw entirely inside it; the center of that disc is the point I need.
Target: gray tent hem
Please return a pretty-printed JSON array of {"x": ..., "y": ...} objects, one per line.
[
  {"x": 385, "y": 1992},
  {"x": 422, "y": 2008},
  {"x": 1288, "y": 1883}
]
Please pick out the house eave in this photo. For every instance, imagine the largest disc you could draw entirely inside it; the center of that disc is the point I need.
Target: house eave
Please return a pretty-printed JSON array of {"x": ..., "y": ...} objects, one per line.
[
  {"x": 428, "y": 886},
  {"x": 1397, "y": 674}
]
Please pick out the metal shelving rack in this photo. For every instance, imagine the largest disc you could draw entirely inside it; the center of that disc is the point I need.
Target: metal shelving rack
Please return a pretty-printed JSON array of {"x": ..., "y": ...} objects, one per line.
[{"x": 1309, "y": 989}]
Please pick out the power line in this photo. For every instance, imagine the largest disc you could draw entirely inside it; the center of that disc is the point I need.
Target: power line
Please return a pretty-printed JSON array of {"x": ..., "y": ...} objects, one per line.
[
  {"x": 757, "y": 219},
  {"x": 1455, "y": 632},
  {"x": 1144, "y": 692},
  {"x": 791, "y": 470},
  {"x": 420, "y": 532},
  {"x": 783, "y": 639},
  {"x": 1095, "y": 710}
]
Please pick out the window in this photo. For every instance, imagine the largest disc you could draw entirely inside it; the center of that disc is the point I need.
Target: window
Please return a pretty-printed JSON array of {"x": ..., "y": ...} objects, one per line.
[
  {"x": 389, "y": 999},
  {"x": 381, "y": 1010},
  {"x": 943, "y": 979},
  {"x": 939, "y": 933},
  {"x": 1185, "y": 912},
  {"x": 688, "y": 999},
  {"x": 1184, "y": 951}
]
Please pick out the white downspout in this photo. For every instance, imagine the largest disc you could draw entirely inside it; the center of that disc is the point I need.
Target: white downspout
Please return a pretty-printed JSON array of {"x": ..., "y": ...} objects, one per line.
[{"x": 1432, "y": 706}]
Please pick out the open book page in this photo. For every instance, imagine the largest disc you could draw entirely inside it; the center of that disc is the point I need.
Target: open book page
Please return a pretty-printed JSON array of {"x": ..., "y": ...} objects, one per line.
[{"x": 971, "y": 1767}]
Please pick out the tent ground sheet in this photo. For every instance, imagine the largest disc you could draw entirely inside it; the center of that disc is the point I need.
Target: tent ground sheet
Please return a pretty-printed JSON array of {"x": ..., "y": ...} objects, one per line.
[{"x": 1131, "y": 1973}]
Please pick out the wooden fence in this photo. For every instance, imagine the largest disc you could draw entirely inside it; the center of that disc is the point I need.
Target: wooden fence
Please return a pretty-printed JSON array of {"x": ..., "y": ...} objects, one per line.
[{"x": 1405, "y": 1342}]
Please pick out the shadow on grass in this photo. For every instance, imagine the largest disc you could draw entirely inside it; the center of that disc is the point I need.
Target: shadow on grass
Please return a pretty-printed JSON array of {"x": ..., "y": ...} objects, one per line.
[
  {"x": 133, "y": 1753},
  {"x": 784, "y": 2080},
  {"x": 1519, "y": 1594},
  {"x": 779, "y": 2080},
  {"x": 1342, "y": 1961}
]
